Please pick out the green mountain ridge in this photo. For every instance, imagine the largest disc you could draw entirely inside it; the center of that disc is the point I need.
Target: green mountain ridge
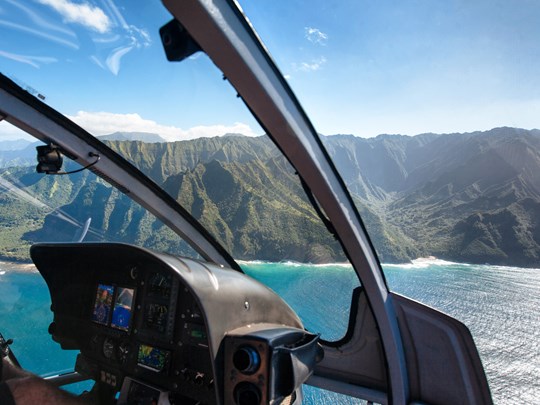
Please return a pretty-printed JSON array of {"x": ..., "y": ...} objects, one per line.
[
  {"x": 253, "y": 213},
  {"x": 413, "y": 192},
  {"x": 471, "y": 197}
]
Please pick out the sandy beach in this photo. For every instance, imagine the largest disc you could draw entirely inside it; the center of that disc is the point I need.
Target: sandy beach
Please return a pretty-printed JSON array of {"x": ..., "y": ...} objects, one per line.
[{"x": 15, "y": 266}]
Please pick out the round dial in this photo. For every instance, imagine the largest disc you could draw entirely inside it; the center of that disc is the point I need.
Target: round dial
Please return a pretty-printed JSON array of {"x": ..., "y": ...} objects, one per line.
[
  {"x": 94, "y": 342},
  {"x": 160, "y": 284},
  {"x": 123, "y": 352},
  {"x": 108, "y": 348}
]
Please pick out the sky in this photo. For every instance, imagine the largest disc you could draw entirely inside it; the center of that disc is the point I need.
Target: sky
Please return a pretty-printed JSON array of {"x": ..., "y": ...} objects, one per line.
[{"x": 358, "y": 67}]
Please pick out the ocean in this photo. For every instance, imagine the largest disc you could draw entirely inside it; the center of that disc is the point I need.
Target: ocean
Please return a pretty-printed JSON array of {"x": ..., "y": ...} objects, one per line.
[{"x": 498, "y": 304}]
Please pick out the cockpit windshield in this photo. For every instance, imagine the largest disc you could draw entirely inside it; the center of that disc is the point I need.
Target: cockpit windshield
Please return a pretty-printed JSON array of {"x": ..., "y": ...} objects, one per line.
[
  {"x": 454, "y": 194},
  {"x": 183, "y": 127}
]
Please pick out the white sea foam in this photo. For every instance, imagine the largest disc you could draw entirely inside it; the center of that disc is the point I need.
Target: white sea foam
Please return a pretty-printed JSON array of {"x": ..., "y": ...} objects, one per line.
[
  {"x": 419, "y": 263},
  {"x": 292, "y": 263},
  {"x": 424, "y": 262},
  {"x": 248, "y": 262},
  {"x": 510, "y": 268}
]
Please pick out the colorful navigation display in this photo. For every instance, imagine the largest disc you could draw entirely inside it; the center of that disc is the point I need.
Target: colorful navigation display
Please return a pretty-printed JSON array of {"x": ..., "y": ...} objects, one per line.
[
  {"x": 152, "y": 358},
  {"x": 113, "y": 306},
  {"x": 122, "y": 310},
  {"x": 103, "y": 303}
]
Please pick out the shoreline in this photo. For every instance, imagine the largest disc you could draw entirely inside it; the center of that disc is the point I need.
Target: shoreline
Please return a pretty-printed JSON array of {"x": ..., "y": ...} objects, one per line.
[
  {"x": 19, "y": 267},
  {"x": 421, "y": 262}
]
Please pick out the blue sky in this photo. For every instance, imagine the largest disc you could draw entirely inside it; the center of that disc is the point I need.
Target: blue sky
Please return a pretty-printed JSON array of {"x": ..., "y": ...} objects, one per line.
[{"x": 359, "y": 67}]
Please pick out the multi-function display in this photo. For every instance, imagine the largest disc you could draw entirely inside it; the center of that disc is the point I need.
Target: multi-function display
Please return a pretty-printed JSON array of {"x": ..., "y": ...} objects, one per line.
[
  {"x": 152, "y": 358},
  {"x": 103, "y": 304},
  {"x": 123, "y": 305},
  {"x": 113, "y": 306}
]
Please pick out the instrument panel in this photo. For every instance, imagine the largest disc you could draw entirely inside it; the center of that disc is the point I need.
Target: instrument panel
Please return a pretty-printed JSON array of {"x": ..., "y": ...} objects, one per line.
[
  {"x": 134, "y": 331},
  {"x": 156, "y": 326}
]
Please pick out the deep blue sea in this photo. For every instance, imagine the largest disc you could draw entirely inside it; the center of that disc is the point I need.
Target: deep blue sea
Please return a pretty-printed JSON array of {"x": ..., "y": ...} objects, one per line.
[{"x": 500, "y": 305}]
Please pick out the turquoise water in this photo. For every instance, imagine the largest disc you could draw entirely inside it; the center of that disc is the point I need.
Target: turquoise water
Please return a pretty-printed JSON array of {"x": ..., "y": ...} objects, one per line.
[
  {"x": 499, "y": 304},
  {"x": 303, "y": 285},
  {"x": 25, "y": 314}
]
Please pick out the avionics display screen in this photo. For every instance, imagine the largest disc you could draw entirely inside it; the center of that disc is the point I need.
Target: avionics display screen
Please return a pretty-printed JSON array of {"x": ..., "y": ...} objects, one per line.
[
  {"x": 152, "y": 358},
  {"x": 142, "y": 394},
  {"x": 196, "y": 333},
  {"x": 123, "y": 305},
  {"x": 156, "y": 317},
  {"x": 103, "y": 303},
  {"x": 113, "y": 306}
]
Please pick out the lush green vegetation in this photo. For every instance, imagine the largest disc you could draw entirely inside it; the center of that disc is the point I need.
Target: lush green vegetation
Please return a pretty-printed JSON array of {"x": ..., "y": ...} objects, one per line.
[{"x": 462, "y": 197}]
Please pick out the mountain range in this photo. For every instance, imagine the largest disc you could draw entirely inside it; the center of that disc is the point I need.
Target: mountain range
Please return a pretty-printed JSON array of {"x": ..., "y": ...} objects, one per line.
[{"x": 472, "y": 197}]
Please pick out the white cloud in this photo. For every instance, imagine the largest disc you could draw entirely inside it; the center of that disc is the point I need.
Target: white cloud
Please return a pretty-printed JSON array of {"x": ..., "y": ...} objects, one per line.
[
  {"x": 113, "y": 60},
  {"x": 10, "y": 132},
  {"x": 40, "y": 21},
  {"x": 104, "y": 123},
  {"x": 34, "y": 61},
  {"x": 115, "y": 13},
  {"x": 196, "y": 55},
  {"x": 40, "y": 33},
  {"x": 98, "y": 62},
  {"x": 113, "y": 38},
  {"x": 109, "y": 39},
  {"x": 312, "y": 66},
  {"x": 138, "y": 36},
  {"x": 315, "y": 35},
  {"x": 116, "y": 44},
  {"x": 83, "y": 13}
]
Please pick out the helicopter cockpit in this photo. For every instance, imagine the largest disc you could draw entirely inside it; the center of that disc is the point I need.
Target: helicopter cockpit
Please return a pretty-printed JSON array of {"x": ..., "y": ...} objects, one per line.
[
  {"x": 151, "y": 327},
  {"x": 156, "y": 327}
]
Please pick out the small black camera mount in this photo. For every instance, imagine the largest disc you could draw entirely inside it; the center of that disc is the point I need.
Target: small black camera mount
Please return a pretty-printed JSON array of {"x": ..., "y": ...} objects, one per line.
[{"x": 50, "y": 160}]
